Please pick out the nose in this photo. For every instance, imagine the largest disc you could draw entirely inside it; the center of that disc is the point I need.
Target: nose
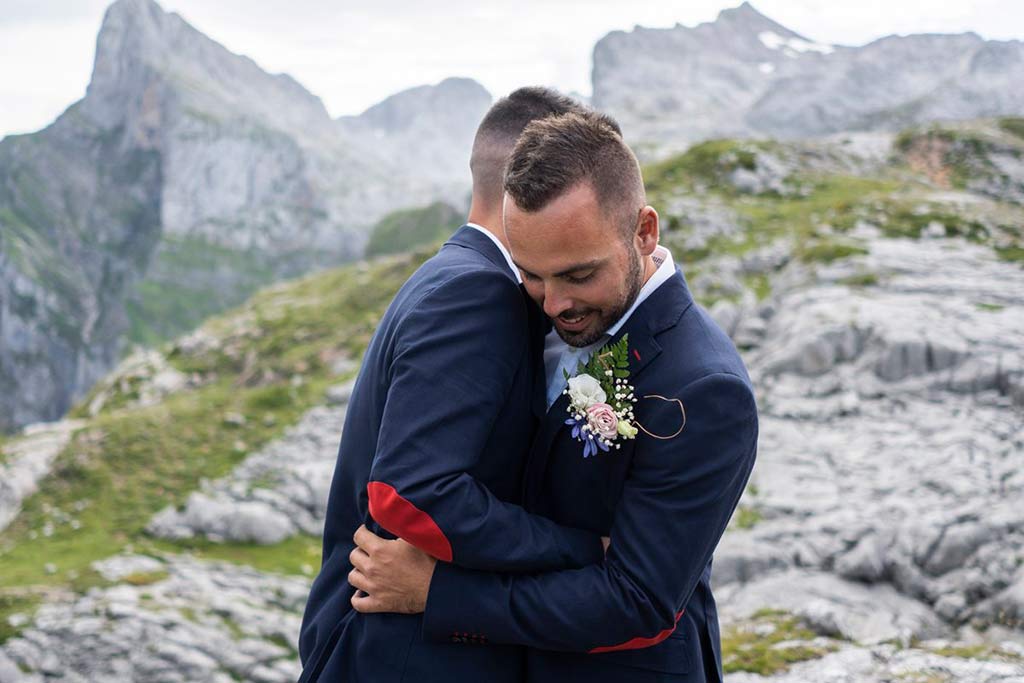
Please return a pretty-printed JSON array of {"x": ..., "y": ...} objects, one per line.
[{"x": 555, "y": 301}]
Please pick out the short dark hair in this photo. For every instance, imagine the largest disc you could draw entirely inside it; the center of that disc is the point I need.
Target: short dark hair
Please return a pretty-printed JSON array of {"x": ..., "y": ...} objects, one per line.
[
  {"x": 500, "y": 128},
  {"x": 555, "y": 154}
]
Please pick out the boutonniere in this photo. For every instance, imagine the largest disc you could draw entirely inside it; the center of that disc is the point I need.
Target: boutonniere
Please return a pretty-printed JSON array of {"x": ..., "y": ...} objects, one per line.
[{"x": 601, "y": 399}]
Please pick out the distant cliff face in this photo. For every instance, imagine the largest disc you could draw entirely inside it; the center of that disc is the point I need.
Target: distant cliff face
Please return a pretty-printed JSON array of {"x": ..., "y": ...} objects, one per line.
[
  {"x": 250, "y": 159},
  {"x": 428, "y": 130},
  {"x": 183, "y": 180},
  {"x": 79, "y": 218},
  {"x": 745, "y": 75}
]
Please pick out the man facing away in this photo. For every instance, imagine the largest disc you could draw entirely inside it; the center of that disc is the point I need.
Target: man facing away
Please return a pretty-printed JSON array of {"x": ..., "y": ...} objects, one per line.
[
  {"x": 581, "y": 232},
  {"x": 435, "y": 438}
]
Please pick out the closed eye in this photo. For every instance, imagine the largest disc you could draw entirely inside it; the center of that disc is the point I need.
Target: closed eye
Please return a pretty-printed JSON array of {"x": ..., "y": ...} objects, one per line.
[{"x": 579, "y": 280}]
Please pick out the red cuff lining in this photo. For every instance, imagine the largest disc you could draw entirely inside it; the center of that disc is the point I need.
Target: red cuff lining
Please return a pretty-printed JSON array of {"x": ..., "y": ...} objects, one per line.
[
  {"x": 637, "y": 643},
  {"x": 405, "y": 520}
]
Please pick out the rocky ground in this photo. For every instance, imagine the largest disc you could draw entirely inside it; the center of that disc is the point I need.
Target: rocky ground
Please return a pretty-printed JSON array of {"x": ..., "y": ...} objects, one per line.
[
  {"x": 28, "y": 460},
  {"x": 884, "y": 510},
  {"x": 277, "y": 492},
  {"x": 168, "y": 620},
  {"x": 881, "y": 538}
]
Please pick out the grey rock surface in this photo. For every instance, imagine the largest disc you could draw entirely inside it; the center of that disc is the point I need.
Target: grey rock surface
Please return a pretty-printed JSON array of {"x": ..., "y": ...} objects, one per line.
[
  {"x": 886, "y": 496},
  {"x": 197, "y": 622},
  {"x": 277, "y": 492},
  {"x": 885, "y": 663}
]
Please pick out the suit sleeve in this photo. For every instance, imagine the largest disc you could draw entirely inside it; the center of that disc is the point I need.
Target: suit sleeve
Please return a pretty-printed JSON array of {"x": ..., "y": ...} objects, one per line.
[
  {"x": 677, "y": 500},
  {"x": 454, "y": 362}
]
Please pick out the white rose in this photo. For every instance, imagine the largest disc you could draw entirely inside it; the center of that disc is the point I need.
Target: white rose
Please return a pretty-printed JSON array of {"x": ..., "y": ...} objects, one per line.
[{"x": 585, "y": 391}]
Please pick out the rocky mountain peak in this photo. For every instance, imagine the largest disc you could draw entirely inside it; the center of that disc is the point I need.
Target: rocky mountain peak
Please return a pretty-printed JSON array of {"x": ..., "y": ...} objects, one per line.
[
  {"x": 753, "y": 36},
  {"x": 140, "y": 47},
  {"x": 402, "y": 110},
  {"x": 188, "y": 171},
  {"x": 747, "y": 19},
  {"x": 428, "y": 130},
  {"x": 132, "y": 32},
  {"x": 745, "y": 75}
]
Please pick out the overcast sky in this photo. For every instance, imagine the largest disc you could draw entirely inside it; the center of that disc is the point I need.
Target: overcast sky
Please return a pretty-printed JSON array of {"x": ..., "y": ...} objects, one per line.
[{"x": 353, "y": 53}]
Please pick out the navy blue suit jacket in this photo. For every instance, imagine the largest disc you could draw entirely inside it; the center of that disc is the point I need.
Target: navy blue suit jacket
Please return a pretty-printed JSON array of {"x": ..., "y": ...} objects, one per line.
[
  {"x": 647, "y": 607},
  {"x": 433, "y": 449}
]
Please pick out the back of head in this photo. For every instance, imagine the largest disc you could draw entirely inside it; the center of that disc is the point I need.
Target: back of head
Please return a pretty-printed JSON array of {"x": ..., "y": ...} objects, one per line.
[
  {"x": 500, "y": 128},
  {"x": 554, "y": 155}
]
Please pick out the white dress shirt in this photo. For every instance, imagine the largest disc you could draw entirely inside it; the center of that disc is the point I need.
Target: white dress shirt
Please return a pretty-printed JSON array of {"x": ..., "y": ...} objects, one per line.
[
  {"x": 558, "y": 355},
  {"x": 504, "y": 251}
]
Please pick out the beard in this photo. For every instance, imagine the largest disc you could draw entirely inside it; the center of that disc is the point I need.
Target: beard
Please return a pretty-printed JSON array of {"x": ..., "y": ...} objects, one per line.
[{"x": 607, "y": 317}]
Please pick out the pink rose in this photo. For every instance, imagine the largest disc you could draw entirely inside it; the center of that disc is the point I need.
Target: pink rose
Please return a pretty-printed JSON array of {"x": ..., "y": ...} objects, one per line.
[{"x": 601, "y": 418}]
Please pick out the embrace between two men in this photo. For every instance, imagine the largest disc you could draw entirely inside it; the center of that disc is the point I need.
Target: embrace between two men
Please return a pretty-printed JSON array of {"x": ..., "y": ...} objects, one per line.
[{"x": 545, "y": 442}]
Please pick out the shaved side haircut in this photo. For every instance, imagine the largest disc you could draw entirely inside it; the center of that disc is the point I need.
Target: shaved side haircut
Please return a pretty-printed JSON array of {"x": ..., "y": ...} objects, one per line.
[{"x": 501, "y": 127}]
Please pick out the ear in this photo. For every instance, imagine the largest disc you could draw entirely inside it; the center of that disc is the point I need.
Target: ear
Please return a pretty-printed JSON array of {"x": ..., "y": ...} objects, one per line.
[{"x": 647, "y": 231}]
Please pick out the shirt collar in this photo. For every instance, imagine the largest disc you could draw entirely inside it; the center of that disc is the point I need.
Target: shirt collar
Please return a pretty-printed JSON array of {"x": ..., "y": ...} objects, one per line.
[
  {"x": 504, "y": 251},
  {"x": 666, "y": 268}
]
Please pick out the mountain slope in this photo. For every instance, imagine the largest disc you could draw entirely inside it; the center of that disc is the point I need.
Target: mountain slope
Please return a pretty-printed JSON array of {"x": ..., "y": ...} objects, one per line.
[
  {"x": 185, "y": 179},
  {"x": 745, "y": 75}
]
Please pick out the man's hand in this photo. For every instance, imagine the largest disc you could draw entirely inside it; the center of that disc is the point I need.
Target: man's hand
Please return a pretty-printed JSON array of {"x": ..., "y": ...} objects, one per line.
[{"x": 390, "y": 576}]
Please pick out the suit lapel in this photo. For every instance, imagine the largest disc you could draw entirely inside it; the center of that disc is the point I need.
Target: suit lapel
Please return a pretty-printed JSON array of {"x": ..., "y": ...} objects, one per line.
[
  {"x": 659, "y": 312},
  {"x": 536, "y": 466},
  {"x": 537, "y": 331}
]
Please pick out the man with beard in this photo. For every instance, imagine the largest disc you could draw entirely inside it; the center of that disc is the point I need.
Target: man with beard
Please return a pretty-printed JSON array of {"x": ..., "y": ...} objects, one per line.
[{"x": 663, "y": 485}]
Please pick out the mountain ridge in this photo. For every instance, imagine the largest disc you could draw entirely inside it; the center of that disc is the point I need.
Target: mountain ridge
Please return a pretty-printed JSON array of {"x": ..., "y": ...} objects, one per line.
[
  {"x": 181, "y": 150},
  {"x": 745, "y": 75}
]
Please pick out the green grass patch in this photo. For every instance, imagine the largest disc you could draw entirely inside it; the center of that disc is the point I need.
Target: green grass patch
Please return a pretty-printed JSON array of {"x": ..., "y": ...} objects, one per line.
[
  {"x": 983, "y": 306},
  {"x": 827, "y": 251},
  {"x": 832, "y": 204},
  {"x": 403, "y": 230},
  {"x": 144, "y": 578},
  {"x": 1015, "y": 254},
  {"x": 295, "y": 555},
  {"x": 759, "y": 284},
  {"x": 746, "y": 517},
  {"x": 757, "y": 646},
  {"x": 296, "y": 327},
  {"x": 860, "y": 280},
  {"x": 1013, "y": 126},
  {"x": 980, "y": 651},
  {"x": 902, "y": 221},
  {"x": 837, "y": 201},
  {"x": 186, "y": 284},
  {"x": 280, "y": 640},
  {"x": 236, "y": 630},
  {"x": 128, "y": 464},
  {"x": 11, "y": 604},
  {"x": 706, "y": 165},
  {"x": 925, "y": 677}
]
